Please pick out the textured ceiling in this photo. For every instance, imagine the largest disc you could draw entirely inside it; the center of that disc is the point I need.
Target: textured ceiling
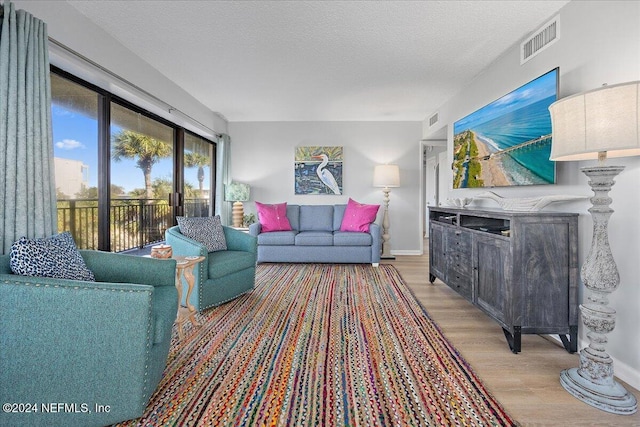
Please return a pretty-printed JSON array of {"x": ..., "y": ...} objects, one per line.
[{"x": 320, "y": 60}]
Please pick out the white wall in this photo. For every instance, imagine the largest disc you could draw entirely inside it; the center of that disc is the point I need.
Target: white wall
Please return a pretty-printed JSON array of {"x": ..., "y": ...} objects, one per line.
[
  {"x": 263, "y": 154},
  {"x": 599, "y": 43},
  {"x": 69, "y": 27}
]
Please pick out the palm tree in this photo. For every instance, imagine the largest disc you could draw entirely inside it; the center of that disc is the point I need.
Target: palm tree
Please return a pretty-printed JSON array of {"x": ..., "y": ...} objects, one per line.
[
  {"x": 128, "y": 144},
  {"x": 192, "y": 160}
]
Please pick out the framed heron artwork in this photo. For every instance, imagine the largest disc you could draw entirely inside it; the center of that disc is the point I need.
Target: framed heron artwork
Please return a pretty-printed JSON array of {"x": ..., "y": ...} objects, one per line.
[{"x": 318, "y": 170}]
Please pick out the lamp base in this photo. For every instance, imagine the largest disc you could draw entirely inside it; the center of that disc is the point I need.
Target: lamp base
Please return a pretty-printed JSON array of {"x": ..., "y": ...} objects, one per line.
[
  {"x": 237, "y": 214},
  {"x": 610, "y": 398}
]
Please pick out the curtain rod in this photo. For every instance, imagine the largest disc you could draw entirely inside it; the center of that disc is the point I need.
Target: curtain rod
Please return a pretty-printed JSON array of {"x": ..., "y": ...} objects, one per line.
[{"x": 169, "y": 108}]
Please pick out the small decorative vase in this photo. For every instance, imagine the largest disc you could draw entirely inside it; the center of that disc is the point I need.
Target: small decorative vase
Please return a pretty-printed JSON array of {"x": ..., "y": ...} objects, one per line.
[{"x": 161, "y": 251}]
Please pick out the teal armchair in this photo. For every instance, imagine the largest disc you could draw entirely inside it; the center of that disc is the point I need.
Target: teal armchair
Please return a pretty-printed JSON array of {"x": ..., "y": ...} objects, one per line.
[
  {"x": 98, "y": 348},
  {"x": 223, "y": 275}
]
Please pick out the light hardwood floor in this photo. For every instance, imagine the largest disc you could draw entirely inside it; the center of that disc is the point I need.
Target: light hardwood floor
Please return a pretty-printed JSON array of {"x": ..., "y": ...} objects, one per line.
[{"x": 526, "y": 384}]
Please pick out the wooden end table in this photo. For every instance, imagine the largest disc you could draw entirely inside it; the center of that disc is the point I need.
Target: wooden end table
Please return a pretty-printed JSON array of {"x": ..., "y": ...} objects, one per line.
[{"x": 184, "y": 268}]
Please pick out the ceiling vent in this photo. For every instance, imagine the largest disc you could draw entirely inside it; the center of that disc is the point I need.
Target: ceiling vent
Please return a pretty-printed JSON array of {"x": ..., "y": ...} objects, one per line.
[
  {"x": 433, "y": 119},
  {"x": 541, "y": 39}
]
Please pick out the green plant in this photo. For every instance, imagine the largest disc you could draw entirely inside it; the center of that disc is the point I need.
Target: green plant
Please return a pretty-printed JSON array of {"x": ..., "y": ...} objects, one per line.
[{"x": 248, "y": 219}]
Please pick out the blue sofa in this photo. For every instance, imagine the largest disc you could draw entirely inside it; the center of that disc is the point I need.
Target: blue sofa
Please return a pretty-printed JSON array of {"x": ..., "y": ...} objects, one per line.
[
  {"x": 83, "y": 343},
  {"x": 223, "y": 275},
  {"x": 316, "y": 238}
]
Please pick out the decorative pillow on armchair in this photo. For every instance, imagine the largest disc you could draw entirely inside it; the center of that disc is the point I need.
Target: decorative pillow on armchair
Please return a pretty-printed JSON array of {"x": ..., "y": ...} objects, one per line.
[
  {"x": 206, "y": 230},
  {"x": 56, "y": 256},
  {"x": 358, "y": 216},
  {"x": 273, "y": 217}
]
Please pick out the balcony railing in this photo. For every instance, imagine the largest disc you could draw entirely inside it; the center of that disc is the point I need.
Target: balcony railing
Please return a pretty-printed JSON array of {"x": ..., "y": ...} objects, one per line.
[{"x": 135, "y": 223}]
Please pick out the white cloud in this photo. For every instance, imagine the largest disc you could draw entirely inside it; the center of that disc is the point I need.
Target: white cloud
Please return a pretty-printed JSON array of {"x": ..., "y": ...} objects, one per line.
[{"x": 69, "y": 144}]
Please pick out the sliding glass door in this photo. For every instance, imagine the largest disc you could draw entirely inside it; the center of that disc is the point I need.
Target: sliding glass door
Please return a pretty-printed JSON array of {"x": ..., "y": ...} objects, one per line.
[
  {"x": 122, "y": 174},
  {"x": 142, "y": 172}
]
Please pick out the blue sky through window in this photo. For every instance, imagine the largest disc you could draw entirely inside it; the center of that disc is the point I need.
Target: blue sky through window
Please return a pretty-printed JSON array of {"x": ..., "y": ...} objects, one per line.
[{"x": 75, "y": 137}]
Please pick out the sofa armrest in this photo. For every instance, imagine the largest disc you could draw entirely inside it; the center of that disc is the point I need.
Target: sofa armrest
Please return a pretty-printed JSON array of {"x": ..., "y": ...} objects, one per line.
[
  {"x": 120, "y": 268},
  {"x": 255, "y": 229},
  {"x": 239, "y": 240},
  {"x": 376, "y": 244}
]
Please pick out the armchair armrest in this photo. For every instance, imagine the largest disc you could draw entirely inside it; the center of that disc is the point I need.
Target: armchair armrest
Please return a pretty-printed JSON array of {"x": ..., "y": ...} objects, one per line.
[
  {"x": 239, "y": 240},
  {"x": 75, "y": 341},
  {"x": 182, "y": 245},
  {"x": 119, "y": 268}
]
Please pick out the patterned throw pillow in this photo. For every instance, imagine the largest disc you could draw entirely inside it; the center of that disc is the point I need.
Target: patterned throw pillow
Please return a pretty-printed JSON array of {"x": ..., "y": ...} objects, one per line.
[
  {"x": 206, "y": 230},
  {"x": 358, "y": 216},
  {"x": 56, "y": 256}
]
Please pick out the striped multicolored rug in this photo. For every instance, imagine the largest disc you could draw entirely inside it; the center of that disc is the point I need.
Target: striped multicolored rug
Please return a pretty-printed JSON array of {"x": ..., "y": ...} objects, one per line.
[{"x": 321, "y": 345}]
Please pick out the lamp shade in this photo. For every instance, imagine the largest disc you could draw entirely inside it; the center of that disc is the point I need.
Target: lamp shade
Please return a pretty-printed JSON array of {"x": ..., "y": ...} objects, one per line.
[
  {"x": 236, "y": 192},
  {"x": 386, "y": 176},
  {"x": 602, "y": 120}
]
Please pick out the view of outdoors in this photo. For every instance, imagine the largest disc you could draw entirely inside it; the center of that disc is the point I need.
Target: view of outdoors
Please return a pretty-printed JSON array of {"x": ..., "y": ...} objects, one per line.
[{"x": 143, "y": 198}]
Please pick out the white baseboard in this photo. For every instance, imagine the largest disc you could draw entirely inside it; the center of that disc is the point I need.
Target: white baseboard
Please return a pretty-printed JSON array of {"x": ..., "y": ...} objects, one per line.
[{"x": 412, "y": 253}]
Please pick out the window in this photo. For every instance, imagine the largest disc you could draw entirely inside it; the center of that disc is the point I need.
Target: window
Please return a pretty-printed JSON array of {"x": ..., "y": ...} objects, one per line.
[
  {"x": 198, "y": 164},
  {"x": 74, "y": 112},
  {"x": 119, "y": 183}
]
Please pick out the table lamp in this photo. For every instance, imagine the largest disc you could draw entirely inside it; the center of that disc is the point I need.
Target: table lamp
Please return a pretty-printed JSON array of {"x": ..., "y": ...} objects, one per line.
[
  {"x": 595, "y": 125},
  {"x": 237, "y": 193},
  {"x": 386, "y": 176}
]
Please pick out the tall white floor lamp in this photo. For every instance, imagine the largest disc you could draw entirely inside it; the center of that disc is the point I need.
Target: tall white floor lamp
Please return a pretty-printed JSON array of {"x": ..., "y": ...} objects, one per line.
[
  {"x": 386, "y": 176},
  {"x": 595, "y": 125}
]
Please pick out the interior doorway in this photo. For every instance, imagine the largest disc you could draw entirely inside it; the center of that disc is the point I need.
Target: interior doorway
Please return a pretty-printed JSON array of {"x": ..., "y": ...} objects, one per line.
[{"x": 430, "y": 183}]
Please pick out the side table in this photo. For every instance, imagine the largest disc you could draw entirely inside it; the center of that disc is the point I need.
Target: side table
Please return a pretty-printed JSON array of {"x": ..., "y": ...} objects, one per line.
[{"x": 184, "y": 268}]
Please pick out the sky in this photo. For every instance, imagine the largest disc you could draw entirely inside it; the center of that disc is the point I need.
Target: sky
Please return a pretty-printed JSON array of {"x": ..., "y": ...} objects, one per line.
[{"x": 75, "y": 136}]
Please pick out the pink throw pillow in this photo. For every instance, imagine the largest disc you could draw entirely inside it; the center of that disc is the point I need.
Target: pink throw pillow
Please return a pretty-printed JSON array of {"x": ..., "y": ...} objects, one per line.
[
  {"x": 358, "y": 216},
  {"x": 273, "y": 217}
]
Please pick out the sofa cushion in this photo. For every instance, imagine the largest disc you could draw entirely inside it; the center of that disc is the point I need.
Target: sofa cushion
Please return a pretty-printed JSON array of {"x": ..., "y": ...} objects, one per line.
[
  {"x": 293, "y": 214},
  {"x": 316, "y": 218},
  {"x": 56, "y": 256},
  {"x": 206, "y": 230},
  {"x": 277, "y": 238},
  {"x": 227, "y": 262},
  {"x": 314, "y": 238},
  {"x": 338, "y": 214},
  {"x": 273, "y": 217},
  {"x": 358, "y": 216},
  {"x": 351, "y": 238}
]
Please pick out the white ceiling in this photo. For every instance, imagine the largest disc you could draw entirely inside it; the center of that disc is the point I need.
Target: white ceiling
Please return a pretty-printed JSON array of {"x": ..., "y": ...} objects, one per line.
[{"x": 320, "y": 60}]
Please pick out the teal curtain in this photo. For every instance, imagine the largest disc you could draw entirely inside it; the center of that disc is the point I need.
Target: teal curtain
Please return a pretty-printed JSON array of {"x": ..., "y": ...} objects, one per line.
[
  {"x": 27, "y": 187},
  {"x": 223, "y": 177}
]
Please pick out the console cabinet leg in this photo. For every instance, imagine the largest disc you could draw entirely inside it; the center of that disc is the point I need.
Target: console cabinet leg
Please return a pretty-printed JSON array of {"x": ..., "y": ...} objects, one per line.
[
  {"x": 570, "y": 342},
  {"x": 514, "y": 341}
]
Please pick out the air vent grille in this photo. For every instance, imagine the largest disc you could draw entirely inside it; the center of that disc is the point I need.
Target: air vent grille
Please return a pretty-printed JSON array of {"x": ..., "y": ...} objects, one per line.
[
  {"x": 433, "y": 119},
  {"x": 540, "y": 40}
]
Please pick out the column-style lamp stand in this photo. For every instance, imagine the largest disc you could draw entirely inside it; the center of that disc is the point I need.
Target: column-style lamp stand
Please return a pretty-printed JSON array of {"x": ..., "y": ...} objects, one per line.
[
  {"x": 237, "y": 193},
  {"x": 598, "y": 124},
  {"x": 386, "y": 176}
]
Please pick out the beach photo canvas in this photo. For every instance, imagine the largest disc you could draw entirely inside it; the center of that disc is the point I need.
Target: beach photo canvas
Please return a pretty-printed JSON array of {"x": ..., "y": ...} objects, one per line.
[{"x": 507, "y": 142}]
